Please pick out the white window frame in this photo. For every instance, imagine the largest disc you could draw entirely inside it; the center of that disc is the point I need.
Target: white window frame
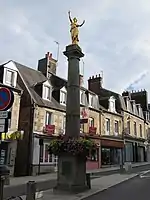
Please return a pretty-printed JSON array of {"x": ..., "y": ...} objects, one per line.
[
  {"x": 13, "y": 82},
  {"x": 107, "y": 131},
  {"x": 135, "y": 128},
  {"x": 141, "y": 130},
  {"x": 63, "y": 97},
  {"x": 112, "y": 104},
  {"x": 91, "y": 122},
  {"x": 47, "y": 92},
  {"x": 46, "y": 118},
  {"x": 91, "y": 100},
  {"x": 54, "y": 158},
  {"x": 116, "y": 122},
  {"x": 82, "y": 95}
]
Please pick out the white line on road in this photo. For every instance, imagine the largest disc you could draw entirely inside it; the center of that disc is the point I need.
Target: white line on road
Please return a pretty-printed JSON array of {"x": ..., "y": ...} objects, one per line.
[{"x": 143, "y": 175}]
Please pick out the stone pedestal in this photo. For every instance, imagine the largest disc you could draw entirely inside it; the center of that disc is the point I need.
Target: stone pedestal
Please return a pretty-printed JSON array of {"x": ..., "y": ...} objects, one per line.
[{"x": 71, "y": 174}]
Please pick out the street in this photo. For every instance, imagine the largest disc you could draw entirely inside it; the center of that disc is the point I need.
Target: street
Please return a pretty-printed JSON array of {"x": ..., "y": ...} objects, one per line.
[{"x": 136, "y": 188}]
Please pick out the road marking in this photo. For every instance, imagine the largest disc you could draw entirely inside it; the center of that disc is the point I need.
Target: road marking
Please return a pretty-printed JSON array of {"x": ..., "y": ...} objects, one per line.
[{"x": 143, "y": 174}]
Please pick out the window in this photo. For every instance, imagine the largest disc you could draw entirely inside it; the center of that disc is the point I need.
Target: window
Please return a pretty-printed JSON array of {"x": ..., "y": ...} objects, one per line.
[
  {"x": 140, "y": 130},
  {"x": 91, "y": 100},
  {"x": 45, "y": 157},
  {"x": 47, "y": 92},
  {"x": 128, "y": 127},
  {"x": 135, "y": 131},
  {"x": 82, "y": 98},
  {"x": 112, "y": 107},
  {"x": 63, "y": 97},
  {"x": 91, "y": 122},
  {"x": 107, "y": 125},
  {"x": 9, "y": 79},
  {"x": 48, "y": 119},
  {"x": 116, "y": 127}
]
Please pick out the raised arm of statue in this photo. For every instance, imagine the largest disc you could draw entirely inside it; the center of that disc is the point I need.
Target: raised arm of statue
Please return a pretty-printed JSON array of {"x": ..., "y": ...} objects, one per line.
[
  {"x": 79, "y": 25},
  {"x": 69, "y": 16}
]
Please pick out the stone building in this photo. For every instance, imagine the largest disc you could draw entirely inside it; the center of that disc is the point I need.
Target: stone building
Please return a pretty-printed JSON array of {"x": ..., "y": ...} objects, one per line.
[
  {"x": 42, "y": 118},
  {"x": 8, "y": 79},
  {"x": 120, "y": 114}
]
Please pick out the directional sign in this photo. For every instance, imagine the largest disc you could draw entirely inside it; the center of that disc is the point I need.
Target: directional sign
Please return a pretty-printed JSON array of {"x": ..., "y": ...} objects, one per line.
[
  {"x": 6, "y": 98},
  {"x": 3, "y": 114}
]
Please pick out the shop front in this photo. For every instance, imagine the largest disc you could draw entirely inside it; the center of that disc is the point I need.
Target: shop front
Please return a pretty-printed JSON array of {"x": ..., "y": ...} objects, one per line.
[
  {"x": 94, "y": 161},
  {"x": 135, "y": 151},
  {"x": 111, "y": 152},
  {"x": 8, "y": 149}
]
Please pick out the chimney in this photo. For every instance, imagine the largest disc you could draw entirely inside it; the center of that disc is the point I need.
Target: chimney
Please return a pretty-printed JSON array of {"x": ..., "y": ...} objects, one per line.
[
  {"x": 95, "y": 83},
  {"x": 47, "y": 65}
]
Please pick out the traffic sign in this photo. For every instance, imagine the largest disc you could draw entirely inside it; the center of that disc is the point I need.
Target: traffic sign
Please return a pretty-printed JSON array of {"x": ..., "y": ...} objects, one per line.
[
  {"x": 6, "y": 98},
  {"x": 3, "y": 114}
]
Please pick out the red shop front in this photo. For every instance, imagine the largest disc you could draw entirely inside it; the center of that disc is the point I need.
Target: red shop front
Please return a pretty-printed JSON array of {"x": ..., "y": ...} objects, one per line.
[{"x": 94, "y": 161}]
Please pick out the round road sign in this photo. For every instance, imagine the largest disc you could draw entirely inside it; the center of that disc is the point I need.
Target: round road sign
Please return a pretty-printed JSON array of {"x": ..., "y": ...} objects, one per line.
[{"x": 6, "y": 98}]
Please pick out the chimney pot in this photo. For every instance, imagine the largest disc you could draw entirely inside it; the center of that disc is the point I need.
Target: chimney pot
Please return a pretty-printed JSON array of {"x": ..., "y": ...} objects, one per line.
[{"x": 92, "y": 77}]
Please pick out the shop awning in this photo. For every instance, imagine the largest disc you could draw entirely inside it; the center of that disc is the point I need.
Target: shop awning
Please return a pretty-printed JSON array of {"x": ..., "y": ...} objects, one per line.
[{"x": 12, "y": 135}]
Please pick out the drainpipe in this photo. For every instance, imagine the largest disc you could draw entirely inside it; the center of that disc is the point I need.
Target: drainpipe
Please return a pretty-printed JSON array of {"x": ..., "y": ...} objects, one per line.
[
  {"x": 100, "y": 131},
  {"x": 31, "y": 140},
  {"x": 122, "y": 149}
]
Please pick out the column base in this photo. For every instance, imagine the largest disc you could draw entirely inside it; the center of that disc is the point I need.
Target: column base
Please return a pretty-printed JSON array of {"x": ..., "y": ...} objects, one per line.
[{"x": 71, "y": 174}]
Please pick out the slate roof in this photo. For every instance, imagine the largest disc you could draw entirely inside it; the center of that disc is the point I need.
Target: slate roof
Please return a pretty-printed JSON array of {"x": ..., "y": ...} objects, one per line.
[
  {"x": 104, "y": 96},
  {"x": 33, "y": 77}
]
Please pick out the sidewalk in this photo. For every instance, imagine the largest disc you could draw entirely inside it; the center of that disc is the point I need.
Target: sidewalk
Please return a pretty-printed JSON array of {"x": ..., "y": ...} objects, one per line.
[
  {"x": 45, "y": 182},
  {"x": 52, "y": 176},
  {"x": 98, "y": 184}
]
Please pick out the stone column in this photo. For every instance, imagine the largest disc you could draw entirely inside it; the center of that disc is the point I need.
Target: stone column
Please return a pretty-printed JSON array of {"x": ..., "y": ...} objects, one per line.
[
  {"x": 73, "y": 53},
  {"x": 71, "y": 174}
]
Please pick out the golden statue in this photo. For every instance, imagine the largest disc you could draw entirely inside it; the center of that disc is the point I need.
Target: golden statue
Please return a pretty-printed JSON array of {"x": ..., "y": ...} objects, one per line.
[{"x": 74, "y": 29}]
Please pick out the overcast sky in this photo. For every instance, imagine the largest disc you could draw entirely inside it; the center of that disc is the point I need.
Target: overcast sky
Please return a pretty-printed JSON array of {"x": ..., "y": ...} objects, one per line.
[{"x": 115, "y": 37}]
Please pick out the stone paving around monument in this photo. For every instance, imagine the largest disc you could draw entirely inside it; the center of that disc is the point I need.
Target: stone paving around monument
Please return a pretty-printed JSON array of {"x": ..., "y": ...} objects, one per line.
[{"x": 98, "y": 184}]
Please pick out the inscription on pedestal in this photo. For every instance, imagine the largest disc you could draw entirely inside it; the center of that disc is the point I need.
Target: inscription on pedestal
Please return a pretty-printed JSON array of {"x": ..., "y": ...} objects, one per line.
[{"x": 66, "y": 168}]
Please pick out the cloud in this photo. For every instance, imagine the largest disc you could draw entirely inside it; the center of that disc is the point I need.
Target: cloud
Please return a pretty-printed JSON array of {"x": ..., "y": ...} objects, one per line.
[{"x": 115, "y": 37}]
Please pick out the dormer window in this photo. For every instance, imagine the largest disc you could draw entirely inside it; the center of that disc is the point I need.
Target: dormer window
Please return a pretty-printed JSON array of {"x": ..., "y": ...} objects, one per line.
[
  {"x": 91, "y": 100},
  {"x": 82, "y": 97},
  {"x": 63, "y": 97},
  {"x": 47, "y": 92},
  {"x": 10, "y": 77},
  {"x": 112, "y": 106}
]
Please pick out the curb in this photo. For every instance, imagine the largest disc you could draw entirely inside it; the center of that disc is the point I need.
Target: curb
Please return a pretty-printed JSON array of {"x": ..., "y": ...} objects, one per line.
[{"x": 102, "y": 190}]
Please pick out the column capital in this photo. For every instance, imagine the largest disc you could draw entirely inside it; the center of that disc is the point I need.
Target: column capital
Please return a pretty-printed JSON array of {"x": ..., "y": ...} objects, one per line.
[{"x": 73, "y": 50}]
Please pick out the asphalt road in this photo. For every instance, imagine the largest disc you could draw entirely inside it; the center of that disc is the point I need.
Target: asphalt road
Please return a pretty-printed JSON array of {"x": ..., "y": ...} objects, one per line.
[{"x": 135, "y": 189}]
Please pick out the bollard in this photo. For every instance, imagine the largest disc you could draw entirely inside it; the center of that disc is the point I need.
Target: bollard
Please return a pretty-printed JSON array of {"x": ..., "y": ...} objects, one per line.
[
  {"x": 88, "y": 180},
  {"x": 31, "y": 190}
]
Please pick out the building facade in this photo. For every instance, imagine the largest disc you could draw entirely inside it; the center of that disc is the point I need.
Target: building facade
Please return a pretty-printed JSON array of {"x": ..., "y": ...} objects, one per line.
[
  {"x": 8, "y": 79},
  {"x": 123, "y": 125}
]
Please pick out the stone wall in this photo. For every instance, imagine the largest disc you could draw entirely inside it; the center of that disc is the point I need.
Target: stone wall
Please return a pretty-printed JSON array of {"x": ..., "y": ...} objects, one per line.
[
  {"x": 15, "y": 113},
  {"x": 138, "y": 121},
  {"x": 40, "y": 115},
  {"x": 113, "y": 117}
]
